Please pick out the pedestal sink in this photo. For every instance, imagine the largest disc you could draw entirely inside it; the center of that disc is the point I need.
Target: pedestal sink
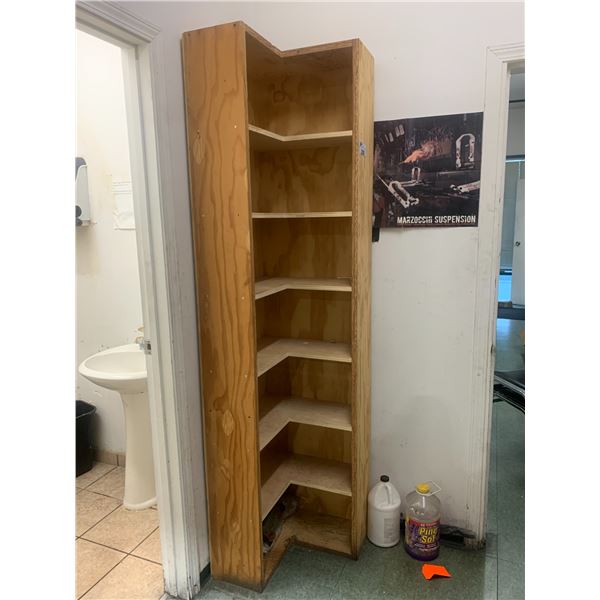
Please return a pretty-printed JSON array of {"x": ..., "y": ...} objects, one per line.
[{"x": 123, "y": 369}]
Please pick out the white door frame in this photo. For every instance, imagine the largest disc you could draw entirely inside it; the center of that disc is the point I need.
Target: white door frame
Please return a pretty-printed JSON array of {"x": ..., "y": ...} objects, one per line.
[
  {"x": 173, "y": 391},
  {"x": 501, "y": 62}
]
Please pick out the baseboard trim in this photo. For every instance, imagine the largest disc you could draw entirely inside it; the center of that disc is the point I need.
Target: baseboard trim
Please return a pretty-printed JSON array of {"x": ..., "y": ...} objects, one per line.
[
  {"x": 110, "y": 458},
  {"x": 205, "y": 575}
]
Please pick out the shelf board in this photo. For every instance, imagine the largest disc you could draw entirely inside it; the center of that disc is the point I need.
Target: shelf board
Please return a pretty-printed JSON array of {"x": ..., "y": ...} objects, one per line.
[
  {"x": 307, "y": 528},
  {"x": 271, "y": 352},
  {"x": 302, "y": 215},
  {"x": 283, "y": 410},
  {"x": 266, "y": 287},
  {"x": 261, "y": 139},
  {"x": 315, "y": 473}
]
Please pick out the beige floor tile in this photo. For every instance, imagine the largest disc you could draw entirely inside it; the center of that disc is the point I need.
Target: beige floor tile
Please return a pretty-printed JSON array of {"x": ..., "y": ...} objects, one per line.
[
  {"x": 112, "y": 484},
  {"x": 132, "y": 579},
  {"x": 98, "y": 470},
  {"x": 124, "y": 529},
  {"x": 150, "y": 548},
  {"x": 91, "y": 508},
  {"x": 93, "y": 563}
]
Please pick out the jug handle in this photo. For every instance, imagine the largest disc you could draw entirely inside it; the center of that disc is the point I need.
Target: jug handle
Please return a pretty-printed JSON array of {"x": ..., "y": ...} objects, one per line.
[{"x": 389, "y": 495}]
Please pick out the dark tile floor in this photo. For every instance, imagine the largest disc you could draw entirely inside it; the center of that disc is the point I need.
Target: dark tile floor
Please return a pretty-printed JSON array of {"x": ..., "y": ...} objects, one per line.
[
  {"x": 510, "y": 351},
  {"x": 497, "y": 572}
]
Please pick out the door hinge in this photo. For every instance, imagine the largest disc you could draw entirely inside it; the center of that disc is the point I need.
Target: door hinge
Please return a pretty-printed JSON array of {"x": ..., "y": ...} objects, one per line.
[{"x": 146, "y": 346}]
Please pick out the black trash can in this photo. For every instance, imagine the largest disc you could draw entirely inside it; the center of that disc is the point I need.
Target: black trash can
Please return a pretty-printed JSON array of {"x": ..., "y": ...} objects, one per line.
[{"x": 84, "y": 415}]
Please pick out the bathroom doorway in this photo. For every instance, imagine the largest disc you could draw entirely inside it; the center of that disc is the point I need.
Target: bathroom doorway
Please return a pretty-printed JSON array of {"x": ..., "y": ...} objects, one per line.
[
  {"x": 176, "y": 535},
  {"x": 118, "y": 539}
]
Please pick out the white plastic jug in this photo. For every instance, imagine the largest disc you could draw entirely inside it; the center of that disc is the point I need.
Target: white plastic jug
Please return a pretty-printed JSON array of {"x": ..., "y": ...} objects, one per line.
[{"x": 383, "y": 522}]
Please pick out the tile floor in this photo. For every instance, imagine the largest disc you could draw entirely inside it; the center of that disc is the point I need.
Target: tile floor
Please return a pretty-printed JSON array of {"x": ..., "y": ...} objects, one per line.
[
  {"x": 510, "y": 351},
  {"x": 496, "y": 572},
  {"x": 118, "y": 550}
]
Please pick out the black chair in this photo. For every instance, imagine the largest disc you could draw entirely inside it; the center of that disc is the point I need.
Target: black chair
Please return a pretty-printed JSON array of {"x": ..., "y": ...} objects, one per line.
[{"x": 509, "y": 386}]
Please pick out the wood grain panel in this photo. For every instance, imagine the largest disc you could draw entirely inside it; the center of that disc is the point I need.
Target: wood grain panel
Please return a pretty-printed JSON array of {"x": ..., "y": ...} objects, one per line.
[
  {"x": 217, "y": 131},
  {"x": 325, "y": 503},
  {"x": 303, "y": 248},
  {"x": 312, "y": 315},
  {"x": 326, "y": 381},
  {"x": 320, "y": 442},
  {"x": 303, "y": 180},
  {"x": 362, "y": 195},
  {"x": 300, "y": 92}
]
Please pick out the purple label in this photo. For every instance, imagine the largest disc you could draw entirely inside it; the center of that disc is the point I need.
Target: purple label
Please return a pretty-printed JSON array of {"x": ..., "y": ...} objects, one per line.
[{"x": 422, "y": 539}]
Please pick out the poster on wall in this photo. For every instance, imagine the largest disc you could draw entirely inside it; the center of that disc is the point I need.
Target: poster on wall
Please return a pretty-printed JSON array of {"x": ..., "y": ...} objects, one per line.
[{"x": 427, "y": 171}]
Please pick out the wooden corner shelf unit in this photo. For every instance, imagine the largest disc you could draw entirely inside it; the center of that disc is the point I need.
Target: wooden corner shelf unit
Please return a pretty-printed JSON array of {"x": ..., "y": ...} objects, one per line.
[{"x": 280, "y": 150}]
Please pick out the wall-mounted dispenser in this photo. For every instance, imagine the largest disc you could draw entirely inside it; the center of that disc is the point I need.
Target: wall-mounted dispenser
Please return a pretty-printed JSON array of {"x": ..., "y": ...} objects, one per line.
[{"x": 82, "y": 195}]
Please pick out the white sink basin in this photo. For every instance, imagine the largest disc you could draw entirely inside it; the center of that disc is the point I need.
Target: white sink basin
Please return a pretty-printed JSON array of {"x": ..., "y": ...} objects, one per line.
[{"x": 122, "y": 369}]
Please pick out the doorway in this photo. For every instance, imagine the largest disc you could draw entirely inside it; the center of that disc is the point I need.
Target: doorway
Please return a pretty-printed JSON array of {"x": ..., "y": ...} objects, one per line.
[
  {"x": 118, "y": 550},
  {"x": 168, "y": 309},
  {"x": 510, "y": 327},
  {"x": 506, "y": 483}
]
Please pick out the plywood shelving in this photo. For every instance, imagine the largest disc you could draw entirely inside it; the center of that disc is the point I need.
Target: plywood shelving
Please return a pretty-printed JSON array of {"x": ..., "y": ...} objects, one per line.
[
  {"x": 261, "y": 139},
  {"x": 316, "y": 473},
  {"x": 273, "y": 352},
  {"x": 281, "y": 206},
  {"x": 313, "y": 530},
  {"x": 279, "y": 412},
  {"x": 273, "y": 285},
  {"x": 302, "y": 215}
]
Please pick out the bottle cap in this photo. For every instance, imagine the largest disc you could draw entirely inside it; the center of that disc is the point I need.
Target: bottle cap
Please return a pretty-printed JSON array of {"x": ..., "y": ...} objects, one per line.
[
  {"x": 384, "y": 478},
  {"x": 423, "y": 488}
]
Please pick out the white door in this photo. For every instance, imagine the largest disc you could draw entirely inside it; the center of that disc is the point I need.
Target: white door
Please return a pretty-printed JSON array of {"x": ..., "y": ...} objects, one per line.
[{"x": 518, "y": 264}]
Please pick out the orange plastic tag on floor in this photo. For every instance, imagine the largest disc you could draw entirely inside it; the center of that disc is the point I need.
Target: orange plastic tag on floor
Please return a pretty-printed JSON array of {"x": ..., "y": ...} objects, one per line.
[{"x": 430, "y": 570}]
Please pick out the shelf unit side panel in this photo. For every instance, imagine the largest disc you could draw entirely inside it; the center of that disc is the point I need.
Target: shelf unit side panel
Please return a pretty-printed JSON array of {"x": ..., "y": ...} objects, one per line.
[
  {"x": 218, "y": 155},
  {"x": 362, "y": 193}
]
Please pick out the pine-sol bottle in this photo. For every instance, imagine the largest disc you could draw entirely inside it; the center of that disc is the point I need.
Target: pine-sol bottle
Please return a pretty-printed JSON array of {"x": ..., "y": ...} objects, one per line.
[{"x": 422, "y": 532}]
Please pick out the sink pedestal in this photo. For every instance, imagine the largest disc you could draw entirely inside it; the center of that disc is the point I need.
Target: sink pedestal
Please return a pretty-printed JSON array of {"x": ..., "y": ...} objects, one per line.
[
  {"x": 140, "y": 492},
  {"x": 123, "y": 370}
]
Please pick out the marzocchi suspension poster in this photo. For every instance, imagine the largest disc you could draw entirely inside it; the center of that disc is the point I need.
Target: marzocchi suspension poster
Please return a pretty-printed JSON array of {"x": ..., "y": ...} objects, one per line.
[{"x": 426, "y": 171}]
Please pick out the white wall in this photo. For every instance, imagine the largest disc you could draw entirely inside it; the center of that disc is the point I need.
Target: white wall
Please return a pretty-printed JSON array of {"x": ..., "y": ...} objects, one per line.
[
  {"x": 109, "y": 307},
  {"x": 429, "y": 60}
]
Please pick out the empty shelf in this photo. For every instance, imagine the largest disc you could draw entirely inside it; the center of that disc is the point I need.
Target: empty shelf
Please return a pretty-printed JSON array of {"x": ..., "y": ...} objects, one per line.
[
  {"x": 316, "y": 473},
  {"x": 282, "y": 411},
  {"x": 261, "y": 139},
  {"x": 272, "y": 352},
  {"x": 309, "y": 529},
  {"x": 302, "y": 215},
  {"x": 266, "y": 287}
]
